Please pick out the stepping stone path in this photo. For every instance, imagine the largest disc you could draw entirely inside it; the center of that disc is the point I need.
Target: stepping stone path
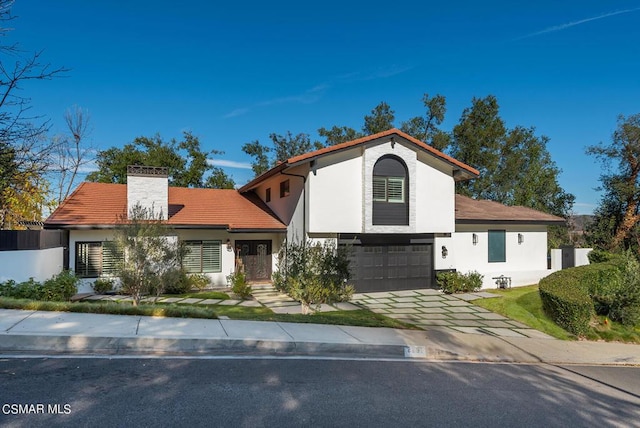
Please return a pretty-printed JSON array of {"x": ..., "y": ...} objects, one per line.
[
  {"x": 427, "y": 309},
  {"x": 432, "y": 309}
]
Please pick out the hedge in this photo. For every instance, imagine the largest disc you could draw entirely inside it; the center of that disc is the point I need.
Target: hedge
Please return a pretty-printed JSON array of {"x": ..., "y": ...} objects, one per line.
[{"x": 572, "y": 297}]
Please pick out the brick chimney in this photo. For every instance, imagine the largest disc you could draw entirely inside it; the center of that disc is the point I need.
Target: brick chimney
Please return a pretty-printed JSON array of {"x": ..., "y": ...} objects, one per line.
[{"x": 149, "y": 187}]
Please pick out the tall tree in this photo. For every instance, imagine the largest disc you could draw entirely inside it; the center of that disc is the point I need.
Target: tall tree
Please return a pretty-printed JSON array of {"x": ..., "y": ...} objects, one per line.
[
  {"x": 338, "y": 134},
  {"x": 24, "y": 152},
  {"x": 425, "y": 128},
  {"x": 188, "y": 164},
  {"x": 477, "y": 140},
  {"x": 515, "y": 166},
  {"x": 380, "y": 119},
  {"x": 619, "y": 212},
  {"x": 282, "y": 148}
]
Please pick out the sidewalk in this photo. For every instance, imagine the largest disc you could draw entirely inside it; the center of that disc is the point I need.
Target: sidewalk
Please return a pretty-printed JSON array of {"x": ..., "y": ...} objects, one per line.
[{"x": 61, "y": 332}]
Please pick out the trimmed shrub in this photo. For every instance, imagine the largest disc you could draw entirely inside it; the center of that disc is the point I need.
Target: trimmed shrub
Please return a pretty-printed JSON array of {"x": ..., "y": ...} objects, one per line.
[
  {"x": 102, "y": 285},
  {"x": 199, "y": 281},
  {"x": 179, "y": 283},
  {"x": 60, "y": 288},
  {"x": 456, "y": 282},
  {"x": 239, "y": 285},
  {"x": 566, "y": 300}
]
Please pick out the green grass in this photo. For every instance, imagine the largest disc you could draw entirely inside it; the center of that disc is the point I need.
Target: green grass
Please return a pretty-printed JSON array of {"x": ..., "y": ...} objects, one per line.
[
  {"x": 361, "y": 318},
  {"x": 201, "y": 295},
  {"x": 524, "y": 304}
]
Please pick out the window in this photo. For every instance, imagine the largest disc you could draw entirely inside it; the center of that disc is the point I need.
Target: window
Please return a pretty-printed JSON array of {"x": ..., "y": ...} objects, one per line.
[
  {"x": 497, "y": 246},
  {"x": 284, "y": 188},
  {"x": 95, "y": 259},
  {"x": 202, "y": 257},
  {"x": 267, "y": 196},
  {"x": 388, "y": 189}
]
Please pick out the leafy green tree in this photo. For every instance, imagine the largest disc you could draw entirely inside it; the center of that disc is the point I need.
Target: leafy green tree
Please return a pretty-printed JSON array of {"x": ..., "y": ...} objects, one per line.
[
  {"x": 282, "y": 148},
  {"x": 151, "y": 254},
  {"x": 618, "y": 216},
  {"x": 188, "y": 164},
  {"x": 338, "y": 134},
  {"x": 477, "y": 140},
  {"x": 425, "y": 128},
  {"x": 381, "y": 119}
]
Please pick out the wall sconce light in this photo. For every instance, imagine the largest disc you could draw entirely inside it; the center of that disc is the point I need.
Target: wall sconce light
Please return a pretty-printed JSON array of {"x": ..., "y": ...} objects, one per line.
[
  {"x": 393, "y": 142},
  {"x": 520, "y": 238},
  {"x": 228, "y": 244},
  {"x": 445, "y": 252},
  {"x": 474, "y": 238}
]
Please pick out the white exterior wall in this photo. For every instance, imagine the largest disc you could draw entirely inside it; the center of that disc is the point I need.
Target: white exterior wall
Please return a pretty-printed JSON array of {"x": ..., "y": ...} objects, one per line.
[
  {"x": 24, "y": 264},
  {"x": 435, "y": 197},
  {"x": 582, "y": 256},
  {"x": 525, "y": 263},
  {"x": 151, "y": 193},
  {"x": 335, "y": 193},
  {"x": 218, "y": 279}
]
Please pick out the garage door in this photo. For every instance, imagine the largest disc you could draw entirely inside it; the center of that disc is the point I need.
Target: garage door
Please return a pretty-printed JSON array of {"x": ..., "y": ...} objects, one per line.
[{"x": 392, "y": 267}]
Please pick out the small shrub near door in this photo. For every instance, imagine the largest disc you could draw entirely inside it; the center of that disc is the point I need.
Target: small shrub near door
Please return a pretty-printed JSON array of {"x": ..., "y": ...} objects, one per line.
[
  {"x": 239, "y": 285},
  {"x": 456, "y": 282},
  {"x": 313, "y": 273}
]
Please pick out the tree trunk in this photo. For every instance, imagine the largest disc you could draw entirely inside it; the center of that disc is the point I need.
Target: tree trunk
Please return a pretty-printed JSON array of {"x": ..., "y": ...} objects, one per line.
[
  {"x": 305, "y": 308},
  {"x": 629, "y": 220}
]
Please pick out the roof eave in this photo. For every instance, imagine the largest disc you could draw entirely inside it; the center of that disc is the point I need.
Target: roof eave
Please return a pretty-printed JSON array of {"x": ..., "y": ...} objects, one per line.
[{"x": 516, "y": 222}]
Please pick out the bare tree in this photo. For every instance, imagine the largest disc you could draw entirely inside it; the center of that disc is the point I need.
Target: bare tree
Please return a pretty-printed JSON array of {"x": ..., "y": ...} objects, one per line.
[
  {"x": 72, "y": 153},
  {"x": 24, "y": 153}
]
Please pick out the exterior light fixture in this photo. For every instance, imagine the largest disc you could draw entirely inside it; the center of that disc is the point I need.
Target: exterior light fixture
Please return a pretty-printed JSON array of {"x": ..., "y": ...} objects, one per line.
[
  {"x": 228, "y": 244},
  {"x": 393, "y": 142},
  {"x": 445, "y": 252},
  {"x": 520, "y": 238},
  {"x": 474, "y": 238}
]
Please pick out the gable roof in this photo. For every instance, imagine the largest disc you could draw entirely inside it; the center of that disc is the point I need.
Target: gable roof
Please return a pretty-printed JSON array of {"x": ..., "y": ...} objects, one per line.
[
  {"x": 100, "y": 205},
  {"x": 307, "y": 157},
  {"x": 473, "y": 211}
]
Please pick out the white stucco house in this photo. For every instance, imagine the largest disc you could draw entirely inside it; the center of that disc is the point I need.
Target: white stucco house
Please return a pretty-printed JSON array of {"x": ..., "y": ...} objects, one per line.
[{"x": 389, "y": 196}]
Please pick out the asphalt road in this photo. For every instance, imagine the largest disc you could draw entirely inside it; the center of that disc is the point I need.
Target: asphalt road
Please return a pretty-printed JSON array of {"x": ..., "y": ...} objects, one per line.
[{"x": 292, "y": 392}]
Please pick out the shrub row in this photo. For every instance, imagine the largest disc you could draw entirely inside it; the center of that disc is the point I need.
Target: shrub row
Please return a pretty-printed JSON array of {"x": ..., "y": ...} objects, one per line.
[
  {"x": 58, "y": 288},
  {"x": 571, "y": 297},
  {"x": 456, "y": 282}
]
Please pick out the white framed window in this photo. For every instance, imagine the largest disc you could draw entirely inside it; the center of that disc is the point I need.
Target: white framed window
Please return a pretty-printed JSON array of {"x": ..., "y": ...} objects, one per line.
[
  {"x": 95, "y": 259},
  {"x": 203, "y": 257},
  {"x": 388, "y": 189}
]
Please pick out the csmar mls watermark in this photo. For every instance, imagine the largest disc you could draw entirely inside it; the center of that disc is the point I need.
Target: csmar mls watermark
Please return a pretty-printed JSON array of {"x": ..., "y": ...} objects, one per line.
[{"x": 36, "y": 408}]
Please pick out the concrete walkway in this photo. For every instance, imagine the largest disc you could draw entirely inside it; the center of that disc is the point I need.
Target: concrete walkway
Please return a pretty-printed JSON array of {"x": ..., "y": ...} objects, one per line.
[{"x": 61, "y": 332}]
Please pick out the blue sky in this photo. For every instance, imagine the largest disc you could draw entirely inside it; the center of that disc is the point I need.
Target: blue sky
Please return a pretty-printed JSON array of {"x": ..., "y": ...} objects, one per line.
[{"x": 233, "y": 73}]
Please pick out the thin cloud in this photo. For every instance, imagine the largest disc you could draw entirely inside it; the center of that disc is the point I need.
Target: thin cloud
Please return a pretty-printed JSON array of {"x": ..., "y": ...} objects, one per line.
[
  {"x": 236, "y": 112},
  {"x": 228, "y": 163},
  {"x": 574, "y": 23}
]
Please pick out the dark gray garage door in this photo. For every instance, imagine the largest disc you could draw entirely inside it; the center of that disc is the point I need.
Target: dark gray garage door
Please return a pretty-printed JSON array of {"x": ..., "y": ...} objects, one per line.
[{"x": 392, "y": 267}]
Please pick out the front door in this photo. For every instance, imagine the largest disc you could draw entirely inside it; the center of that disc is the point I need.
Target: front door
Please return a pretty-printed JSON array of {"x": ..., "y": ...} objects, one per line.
[{"x": 255, "y": 259}]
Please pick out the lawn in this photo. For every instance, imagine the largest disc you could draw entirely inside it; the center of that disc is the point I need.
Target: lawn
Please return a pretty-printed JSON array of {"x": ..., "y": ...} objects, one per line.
[
  {"x": 363, "y": 318},
  {"x": 524, "y": 304}
]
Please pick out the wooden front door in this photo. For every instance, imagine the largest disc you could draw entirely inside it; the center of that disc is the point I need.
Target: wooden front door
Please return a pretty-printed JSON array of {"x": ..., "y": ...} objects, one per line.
[{"x": 255, "y": 259}]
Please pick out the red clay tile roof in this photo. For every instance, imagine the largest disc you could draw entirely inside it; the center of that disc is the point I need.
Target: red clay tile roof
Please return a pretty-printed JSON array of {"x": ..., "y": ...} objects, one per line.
[
  {"x": 470, "y": 210},
  {"x": 101, "y": 204},
  {"x": 392, "y": 131},
  {"x": 349, "y": 144}
]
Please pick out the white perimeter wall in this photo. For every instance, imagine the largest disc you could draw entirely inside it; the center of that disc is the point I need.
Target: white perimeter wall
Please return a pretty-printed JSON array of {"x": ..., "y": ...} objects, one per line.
[
  {"x": 24, "y": 264},
  {"x": 525, "y": 263},
  {"x": 218, "y": 279}
]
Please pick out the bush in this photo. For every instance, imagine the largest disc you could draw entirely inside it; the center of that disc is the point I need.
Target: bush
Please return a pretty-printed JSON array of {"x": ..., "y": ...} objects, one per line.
[
  {"x": 239, "y": 285},
  {"x": 601, "y": 256},
  {"x": 61, "y": 287},
  {"x": 102, "y": 285},
  {"x": 179, "y": 282},
  {"x": 199, "y": 281},
  {"x": 58, "y": 288},
  {"x": 313, "y": 273},
  {"x": 456, "y": 282}
]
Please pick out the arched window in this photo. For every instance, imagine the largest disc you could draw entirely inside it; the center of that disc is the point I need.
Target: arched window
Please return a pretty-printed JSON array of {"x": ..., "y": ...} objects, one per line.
[{"x": 390, "y": 192}]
